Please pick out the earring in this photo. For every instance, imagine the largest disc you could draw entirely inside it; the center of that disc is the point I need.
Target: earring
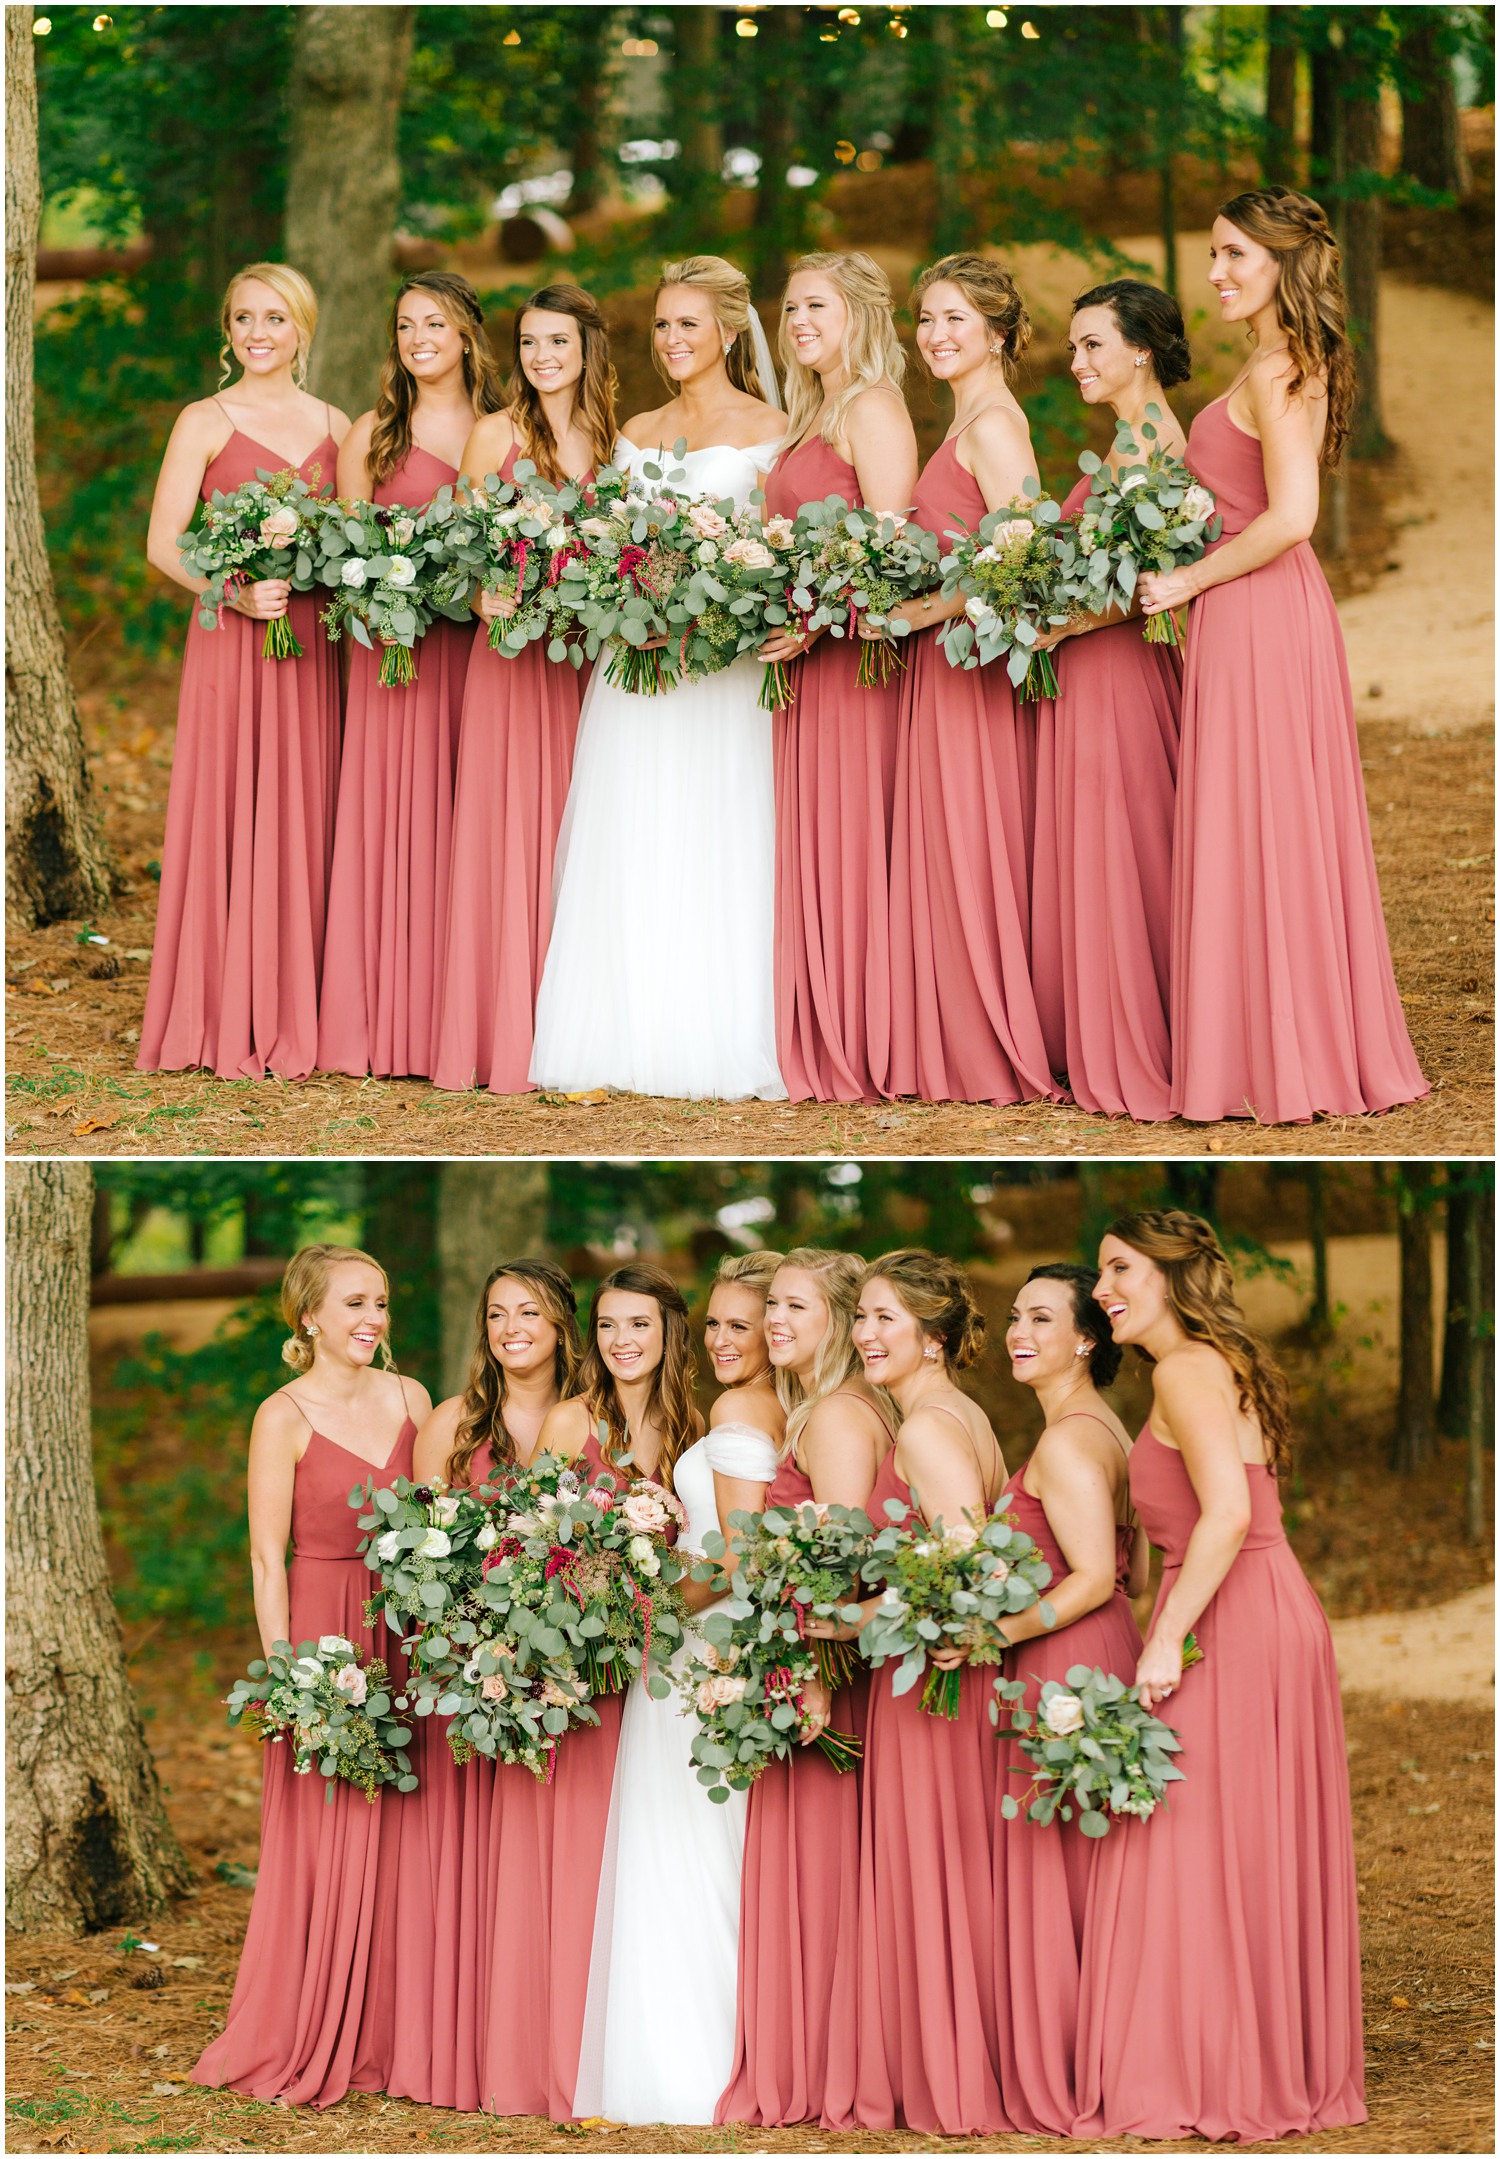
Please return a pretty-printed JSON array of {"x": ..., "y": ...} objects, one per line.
[
  {"x": 1140, "y": 359},
  {"x": 1082, "y": 1350},
  {"x": 728, "y": 348},
  {"x": 930, "y": 1353},
  {"x": 309, "y": 1329}
]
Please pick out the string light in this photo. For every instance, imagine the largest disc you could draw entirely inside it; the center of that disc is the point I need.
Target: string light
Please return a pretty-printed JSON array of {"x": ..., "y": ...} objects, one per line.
[
  {"x": 640, "y": 48},
  {"x": 41, "y": 26},
  {"x": 1029, "y": 29},
  {"x": 849, "y": 15},
  {"x": 104, "y": 22},
  {"x": 896, "y": 26},
  {"x": 996, "y": 18},
  {"x": 745, "y": 28}
]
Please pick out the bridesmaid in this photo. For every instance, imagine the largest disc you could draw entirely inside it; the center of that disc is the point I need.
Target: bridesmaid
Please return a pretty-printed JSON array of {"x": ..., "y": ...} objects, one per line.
[
  {"x": 965, "y": 771},
  {"x": 1101, "y": 899},
  {"x": 794, "y": 2019},
  {"x": 927, "y": 2048},
  {"x": 237, "y": 953},
  {"x": 388, "y": 898},
  {"x": 632, "y": 1415},
  {"x": 525, "y": 1360},
  {"x": 1229, "y": 1919},
  {"x": 520, "y": 718},
  {"x": 1284, "y": 1004},
  {"x": 313, "y": 2011},
  {"x": 1073, "y": 1498},
  {"x": 849, "y": 434}
]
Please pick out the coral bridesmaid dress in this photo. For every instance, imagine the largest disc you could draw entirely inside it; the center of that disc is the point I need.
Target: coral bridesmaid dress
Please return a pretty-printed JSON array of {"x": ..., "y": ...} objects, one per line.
[
  {"x": 835, "y": 782},
  {"x": 392, "y": 835},
  {"x": 1042, "y": 1875},
  {"x": 926, "y": 2054},
  {"x": 1283, "y": 999},
  {"x": 964, "y": 1020},
  {"x": 515, "y": 759},
  {"x": 237, "y": 952},
  {"x": 313, "y": 2011},
  {"x": 1101, "y": 893},
  {"x": 1220, "y": 1993}
]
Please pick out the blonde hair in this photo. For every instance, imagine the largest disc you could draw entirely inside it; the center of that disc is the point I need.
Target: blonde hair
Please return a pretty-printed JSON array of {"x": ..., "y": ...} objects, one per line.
[
  {"x": 1310, "y": 303},
  {"x": 301, "y": 304},
  {"x": 991, "y": 288},
  {"x": 303, "y": 1288},
  {"x": 750, "y": 1270},
  {"x": 936, "y": 1292},
  {"x": 870, "y": 351},
  {"x": 729, "y": 291},
  {"x": 838, "y": 1276}
]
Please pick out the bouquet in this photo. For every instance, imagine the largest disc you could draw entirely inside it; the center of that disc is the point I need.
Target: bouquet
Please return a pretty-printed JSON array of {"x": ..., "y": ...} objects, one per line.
[
  {"x": 640, "y": 1609},
  {"x": 428, "y": 1546},
  {"x": 951, "y": 1587},
  {"x": 1150, "y": 515},
  {"x": 267, "y": 528},
  {"x": 334, "y": 1706},
  {"x": 853, "y": 564},
  {"x": 616, "y": 570},
  {"x": 507, "y": 534},
  {"x": 390, "y": 574},
  {"x": 734, "y": 591},
  {"x": 1092, "y": 1747},
  {"x": 1013, "y": 578}
]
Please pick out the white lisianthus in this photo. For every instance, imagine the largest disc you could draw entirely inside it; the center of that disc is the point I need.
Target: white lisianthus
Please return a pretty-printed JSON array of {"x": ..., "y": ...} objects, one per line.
[
  {"x": 979, "y": 611},
  {"x": 487, "y": 1537},
  {"x": 436, "y": 1544},
  {"x": 400, "y": 571},
  {"x": 334, "y": 1645},
  {"x": 555, "y": 536},
  {"x": 1198, "y": 503},
  {"x": 388, "y": 1546},
  {"x": 892, "y": 1601},
  {"x": 643, "y": 1552},
  {"x": 306, "y": 1671},
  {"x": 354, "y": 573},
  {"x": 1063, "y": 1714},
  {"x": 445, "y": 1506}
]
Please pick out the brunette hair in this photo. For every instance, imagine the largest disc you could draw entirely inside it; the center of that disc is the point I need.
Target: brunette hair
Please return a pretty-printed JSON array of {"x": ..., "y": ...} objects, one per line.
[
  {"x": 838, "y": 1275},
  {"x": 391, "y": 435},
  {"x": 1200, "y": 1288},
  {"x": 598, "y": 388},
  {"x": 1149, "y": 319},
  {"x": 303, "y": 1288},
  {"x": 1088, "y": 1315},
  {"x": 871, "y": 350},
  {"x": 301, "y": 304},
  {"x": 1310, "y": 303},
  {"x": 481, "y": 1418},
  {"x": 936, "y": 1292},
  {"x": 728, "y": 290},
  {"x": 673, "y": 1399},
  {"x": 990, "y": 288}
]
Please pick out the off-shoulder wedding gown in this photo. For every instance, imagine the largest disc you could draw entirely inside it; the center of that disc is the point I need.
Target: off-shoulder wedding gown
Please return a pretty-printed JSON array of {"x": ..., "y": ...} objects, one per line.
[
  {"x": 658, "y": 2031},
  {"x": 658, "y": 977}
]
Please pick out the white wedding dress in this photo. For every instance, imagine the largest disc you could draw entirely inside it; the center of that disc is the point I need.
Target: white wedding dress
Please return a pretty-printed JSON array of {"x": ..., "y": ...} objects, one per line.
[
  {"x": 658, "y": 2028},
  {"x": 658, "y": 977}
]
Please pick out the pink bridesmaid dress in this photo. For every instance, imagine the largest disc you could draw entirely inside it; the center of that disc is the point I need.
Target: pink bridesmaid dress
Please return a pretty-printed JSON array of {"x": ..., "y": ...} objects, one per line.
[
  {"x": 926, "y": 2051},
  {"x": 392, "y": 835},
  {"x": 835, "y": 781},
  {"x": 964, "y": 1020},
  {"x": 1221, "y": 1994},
  {"x": 515, "y": 759},
  {"x": 313, "y": 2011},
  {"x": 1101, "y": 893},
  {"x": 237, "y": 953},
  {"x": 1042, "y": 1875},
  {"x": 1284, "y": 1004}
]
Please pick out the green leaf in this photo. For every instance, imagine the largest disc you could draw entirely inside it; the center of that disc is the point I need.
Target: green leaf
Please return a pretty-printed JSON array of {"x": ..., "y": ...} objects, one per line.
[{"x": 1093, "y": 1824}]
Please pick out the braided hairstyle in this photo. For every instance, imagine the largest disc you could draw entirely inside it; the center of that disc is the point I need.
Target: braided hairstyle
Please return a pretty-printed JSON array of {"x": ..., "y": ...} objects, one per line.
[
  {"x": 1310, "y": 303},
  {"x": 482, "y": 1415},
  {"x": 936, "y": 1292},
  {"x": 1200, "y": 1289}
]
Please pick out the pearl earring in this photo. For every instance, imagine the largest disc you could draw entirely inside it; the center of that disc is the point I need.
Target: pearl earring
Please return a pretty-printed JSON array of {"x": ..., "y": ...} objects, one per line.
[
  {"x": 930, "y": 1353},
  {"x": 309, "y": 1328},
  {"x": 1140, "y": 359}
]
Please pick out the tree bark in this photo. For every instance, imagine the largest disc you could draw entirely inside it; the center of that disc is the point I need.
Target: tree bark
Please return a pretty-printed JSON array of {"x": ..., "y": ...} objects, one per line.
[
  {"x": 57, "y": 864},
  {"x": 1361, "y": 223},
  {"x": 1415, "y": 1436},
  {"x": 1319, "y": 1318},
  {"x": 776, "y": 133},
  {"x": 1461, "y": 1226},
  {"x": 487, "y": 1211},
  {"x": 696, "y": 120},
  {"x": 343, "y": 185},
  {"x": 400, "y": 1230},
  {"x": 950, "y": 99},
  {"x": 87, "y": 1840},
  {"x": 592, "y": 30},
  {"x": 1195, "y": 1186},
  {"x": 1432, "y": 149},
  {"x": 1481, "y": 1423},
  {"x": 1279, "y": 142},
  {"x": 1171, "y": 21}
]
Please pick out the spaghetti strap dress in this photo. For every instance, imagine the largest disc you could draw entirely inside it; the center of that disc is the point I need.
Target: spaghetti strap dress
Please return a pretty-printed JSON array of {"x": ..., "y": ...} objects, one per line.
[
  {"x": 387, "y": 902},
  {"x": 1042, "y": 1875},
  {"x": 1284, "y": 1003},
  {"x": 1101, "y": 893},
  {"x": 515, "y": 760},
  {"x": 312, "y": 2015},
  {"x": 1220, "y": 1993},
  {"x": 964, "y": 1019},
  {"x": 237, "y": 952}
]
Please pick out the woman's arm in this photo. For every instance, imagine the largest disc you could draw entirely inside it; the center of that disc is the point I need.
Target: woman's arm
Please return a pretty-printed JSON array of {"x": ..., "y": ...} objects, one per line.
[
  {"x": 1079, "y": 1503},
  {"x": 191, "y": 448},
  {"x": 275, "y": 1447},
  {"x": 354, "y": 482},
  {"x": 1140, "y": 1563},
  {"x": 939, "y": 1465},
  {"x": 882, "y": 448},
  {"x": 434, "y": 1443}
]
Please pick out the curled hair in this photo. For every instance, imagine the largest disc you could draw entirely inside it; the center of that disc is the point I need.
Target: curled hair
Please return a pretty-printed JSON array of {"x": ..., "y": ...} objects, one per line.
[
  {"x": 838, "y": 1276},
  {"x": 990, "y": 288},
  {"x": 728, "y": 290},
  {"x": 1149, "y": 319},
  {"x": 673, "y": 1399},
  {"x": 303, "y": 1288},
  {"x": 871, "y": 351},
  {"x": 1088, "y": 1316},
  {"x": 936, "y": 1292},
  {"x": 301, "y": 304},
  {"x": 1310, "y": 303},
  {"x": 396, "y": 402},
  {"x": 1200, "y": 1288},
  {"x": 594, "y": 399},
  {"x": 481, "y": 1419},
  {"x": 750, "y": 1270}
]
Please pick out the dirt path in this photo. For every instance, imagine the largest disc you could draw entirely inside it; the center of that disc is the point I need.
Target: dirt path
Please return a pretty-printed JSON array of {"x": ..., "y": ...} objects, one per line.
[{"x": 1443, "y": 1653}]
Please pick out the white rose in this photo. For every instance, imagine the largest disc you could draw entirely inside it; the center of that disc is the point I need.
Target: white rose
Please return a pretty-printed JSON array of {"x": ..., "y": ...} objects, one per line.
[
  {"x": 401, "y": 571},
  {"x": 962, "y": 1537},
  {"x": 306, "y": 1671},
  {"x": 706, "y": 523},
  {"x": 979, "y": 611},
  {"x": 892, "y": 1601},
  {"x": 487, "y": 1536},
  {"x": 1013, "y": 533},
  {"x": 280, "y": 528},
  {"x": 1000, "y": 1569},
  {"x": 403, "y": 529},
  {"x": 445, "y": 1506},
  {"x": 644, "y": 1554},
  {"x": 436, "y": 1544},
  {"x": 351, "y": 1681},
  {"x": 555, "y": 536},
  {"x": 1198, "y": 502},
  {"x": 354, "y": 572},
  {"x": 1132, "y": 479},
  {"x": 334, "y": 1645},
  {"x": 1063, "y": 1714},
  {"x": 751, "y": 553},
  {"x": 389, "y": 1545}
]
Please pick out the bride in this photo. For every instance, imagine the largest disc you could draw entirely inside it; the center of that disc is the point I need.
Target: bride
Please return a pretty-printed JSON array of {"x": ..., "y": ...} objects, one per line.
[
  {"x": 672, "y": 1857},
  {"x": 669, "y": 829}
]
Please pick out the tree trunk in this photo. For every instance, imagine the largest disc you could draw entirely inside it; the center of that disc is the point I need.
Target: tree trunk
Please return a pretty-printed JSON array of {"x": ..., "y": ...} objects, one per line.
[
  {"x": 696, "y": 121},
  {"x": 400, "y": 1230},
  {"x": 773, "y": 205},
  {"x": 1279, "y": 141},
  {"x": 57, "y": 864},
  {"x": 1360, "y": 235},
  {"x": 487, "y": 1211},
  {"x": 949, "y": 97},
  {"x": 343, "y": 185},
  {"x": 1481, "y": 1423},
  {"x": 1195, "y": 1186},
  {"x": 1171, "y": 20},
  {"x": 1326, "y": 131},
  {"x": 592, "y": 35},
  {"x": 1319, "y": 1318},
  {"x": 87, "y": 1840},
  {"x": 1462, "y": 1226},
  {"x": 1415, "y": 1436},
  {"x": 1432, "y": 149}
]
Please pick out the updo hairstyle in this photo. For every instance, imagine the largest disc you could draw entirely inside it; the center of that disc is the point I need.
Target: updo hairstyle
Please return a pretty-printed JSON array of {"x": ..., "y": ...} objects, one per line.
[
  {"x": 990, "y": 287},
  {"x": 1088, "y": 1316},
  {"x": 936, "y": 1292},
  {"x": 1149, "y": 319},
  {"x": 303, "y": 1288}
]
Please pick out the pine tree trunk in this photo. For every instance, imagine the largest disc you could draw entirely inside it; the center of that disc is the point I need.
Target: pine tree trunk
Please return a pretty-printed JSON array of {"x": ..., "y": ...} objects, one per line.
[
  {"x": 696, "y": 121},
  {"x": 1415, "y": 1436},
  {"x": 1432, "y": 149},
  {"x": 591, "y": 33},
  {"x": 87, "y": 1840},
  {"x": 773, "y": 206},
  {"x": 1171, "y": 21},
  {"x": 1481, "y": 1423},
  {"x": 949, "y": 98},
  {"x": 487, "y": 1211},
  {"x": 1361, "y": 224},
  {"x": 1319, "y": 1318},
  {"x": 57, "y": 864},
  {"x": 343, "y": 185},
  {"x": 400, "y": 1230},
  {"x": 1462, "y": 1226},
  {"x": 1279, "y": 143}
]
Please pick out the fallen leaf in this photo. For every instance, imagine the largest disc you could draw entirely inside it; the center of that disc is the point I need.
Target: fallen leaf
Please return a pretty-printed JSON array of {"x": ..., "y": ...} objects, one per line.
[
  {"x": 20, "y": 1986},
  {"x": 137, "y": 952},
  {"x": 1399, "y": 2001},
  {"x": 189, "y": 1964},
  {"x": 38, "y": 988},
  {"x": 62, "y": 982},
  {"x": 94, "y": 1124},
  {"x": 99, "y": 1994},
  {"x": 59, "y": 1977},
  {"x": 166, "y": 2091},
  {"x": 591, "y": 1094}
]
